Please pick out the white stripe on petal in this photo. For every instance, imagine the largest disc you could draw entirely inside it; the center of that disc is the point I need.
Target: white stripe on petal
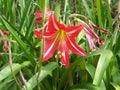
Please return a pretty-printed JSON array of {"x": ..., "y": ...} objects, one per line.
[
  {"x": 54, "y": 23},
  {"x": 76, "y": 48},
  {"x": 50, "y": 48},
  {"x": 73, "y": 31}
]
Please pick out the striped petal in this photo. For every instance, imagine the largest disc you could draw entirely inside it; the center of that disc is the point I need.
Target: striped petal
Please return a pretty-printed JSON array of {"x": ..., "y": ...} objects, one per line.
[
  {"x": 90, "y": 41},
  {"x": 63, "y": 49},
  {"x": 47, "y": 35},
  {"x": 53, "y": 24},
  {"x": 98, "y": 28},
  {"x": 74, "y": 47},
  {"x": 89, "y": 30},
  {"x": 50, "y": 47},
  {"x": 37, "y": 34},
  {"x": 74, "y": 30}
]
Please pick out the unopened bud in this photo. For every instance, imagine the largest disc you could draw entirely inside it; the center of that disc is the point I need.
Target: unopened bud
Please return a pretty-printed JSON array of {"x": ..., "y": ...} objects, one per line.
[
  {"x": 5, "y": 46},
  {"x": 7, "y": 33}
]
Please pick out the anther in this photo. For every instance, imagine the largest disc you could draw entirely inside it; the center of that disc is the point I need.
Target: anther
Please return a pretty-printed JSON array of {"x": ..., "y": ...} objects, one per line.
[{"x": 59, "y": 54}]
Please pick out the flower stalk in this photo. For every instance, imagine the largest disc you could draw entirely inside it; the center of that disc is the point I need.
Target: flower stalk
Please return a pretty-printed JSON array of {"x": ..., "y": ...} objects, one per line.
[
  {"x": 10, "y": 63},
  {"x": 42, "y": 41}
]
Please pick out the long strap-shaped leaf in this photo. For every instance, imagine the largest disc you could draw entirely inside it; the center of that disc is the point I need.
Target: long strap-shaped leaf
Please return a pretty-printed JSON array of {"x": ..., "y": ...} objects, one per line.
[
  {"x": 45, "y": 71},
  {"x": 5, "y": 72},
  {"x": 104, "y": 60}
]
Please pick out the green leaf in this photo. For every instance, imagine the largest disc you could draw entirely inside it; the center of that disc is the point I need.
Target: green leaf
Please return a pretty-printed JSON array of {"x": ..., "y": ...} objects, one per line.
[
  {"x": 45, "y": 71},
  {"x": 63, "y": 79},
  {"x": 104, "y": 60},
  {"x": 5, "y": 72},
  {"x": 91, "y": 69}
]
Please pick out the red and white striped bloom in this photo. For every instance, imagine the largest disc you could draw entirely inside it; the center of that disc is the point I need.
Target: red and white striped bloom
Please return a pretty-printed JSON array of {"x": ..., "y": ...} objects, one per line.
[
  {"x": 61, "y": 38},
  {"x": 90, "y": 34}
]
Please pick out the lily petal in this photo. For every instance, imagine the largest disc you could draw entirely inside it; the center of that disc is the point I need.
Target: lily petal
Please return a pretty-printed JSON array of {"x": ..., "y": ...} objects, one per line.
[
  {"x": 63, "y": 49},
  {"x": 37, "y": 34},
  {"x": 74, "y": 47},
  {"x": 90, "y": 34},
  {"x": 90, "y": 41},
  {"x": 53, "y": 24},
  {"x": 47, "y": 35},
  {"x": 89, "y": 30},
  {"x": 75, "y": 30},
  {"x": 50, "y": 47},
  {"x": 98, "y": 28}
]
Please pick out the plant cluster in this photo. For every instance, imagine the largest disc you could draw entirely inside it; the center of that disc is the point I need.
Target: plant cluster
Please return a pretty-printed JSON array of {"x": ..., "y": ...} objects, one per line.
[{"x": 59, "y": 44}]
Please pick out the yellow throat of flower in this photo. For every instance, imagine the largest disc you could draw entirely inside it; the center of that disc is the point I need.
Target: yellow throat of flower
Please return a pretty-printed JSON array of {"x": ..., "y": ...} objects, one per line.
[{"x": 61, "y": 35}]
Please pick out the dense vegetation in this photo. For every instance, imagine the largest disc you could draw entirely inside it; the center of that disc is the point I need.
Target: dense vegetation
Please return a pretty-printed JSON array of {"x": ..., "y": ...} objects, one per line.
[{"x": 21, "y": 52}]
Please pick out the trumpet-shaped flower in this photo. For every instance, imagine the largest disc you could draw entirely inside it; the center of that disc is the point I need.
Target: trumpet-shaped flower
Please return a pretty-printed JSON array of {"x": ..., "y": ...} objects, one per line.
[
  {"x": 90, "y": 34},
  {"x": 61, "y": 38}
]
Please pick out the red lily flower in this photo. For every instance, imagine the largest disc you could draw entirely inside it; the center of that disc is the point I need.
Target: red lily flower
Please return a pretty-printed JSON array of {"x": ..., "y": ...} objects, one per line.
[
  {"x": 38, "y": 15},
  {"x": 61, "y": 38},
  {"x": 90, "y": 34}
]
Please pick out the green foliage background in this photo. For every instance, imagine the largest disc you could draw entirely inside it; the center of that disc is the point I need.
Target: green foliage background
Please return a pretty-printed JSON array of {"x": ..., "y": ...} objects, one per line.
[{"x": 99, "y": 70}]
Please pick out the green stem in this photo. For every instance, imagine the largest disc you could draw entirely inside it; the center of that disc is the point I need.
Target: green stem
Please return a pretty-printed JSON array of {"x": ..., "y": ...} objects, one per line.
[
  {"x": 42, "y": 41},
  {"x": 65, "y": 9},
  {"x": 10, "y": 63}
]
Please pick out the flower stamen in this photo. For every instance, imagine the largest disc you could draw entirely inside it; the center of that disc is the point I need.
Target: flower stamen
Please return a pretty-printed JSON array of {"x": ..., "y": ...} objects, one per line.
[{"x": 59, "y": 54}]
